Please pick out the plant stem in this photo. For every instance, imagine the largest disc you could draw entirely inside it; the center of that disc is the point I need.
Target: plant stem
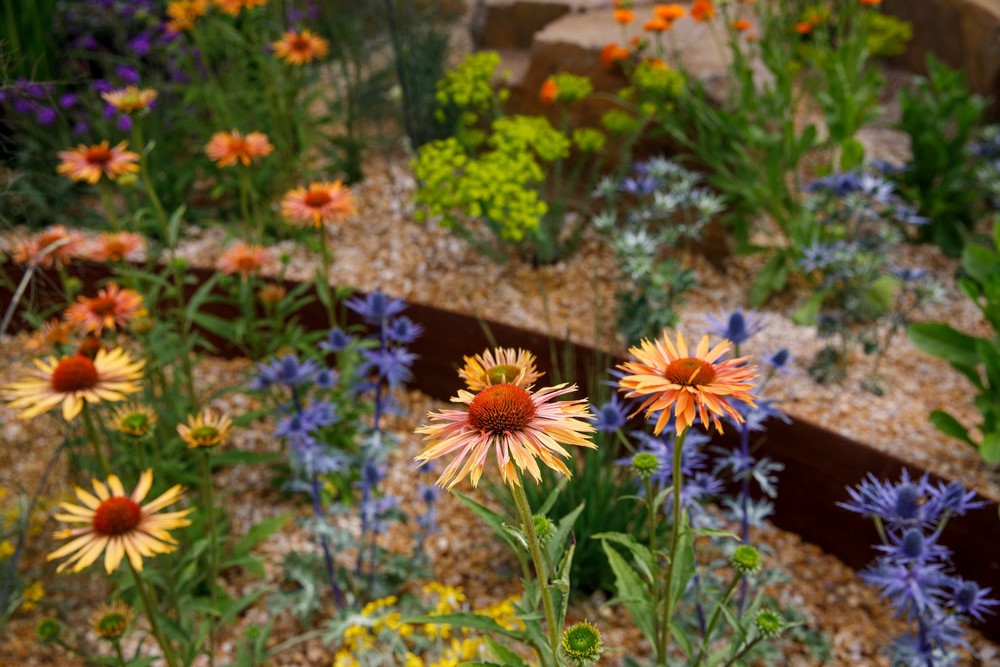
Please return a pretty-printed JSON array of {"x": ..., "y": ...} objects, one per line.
[
  {"x": 535, "y": 548},
  {"x": 325, "y": 277},
  {"x": 88, "y": 424},
  {"x": 121, "y": 656},
  {"x": 144, "y": 170},
  {"x": 675, "y": 534},
  {"x": 213, "y": 541},
  {"x": 716, "y": 614},
  {"x": 109, "y": 206},
  {"x": 149, "y": 602}
]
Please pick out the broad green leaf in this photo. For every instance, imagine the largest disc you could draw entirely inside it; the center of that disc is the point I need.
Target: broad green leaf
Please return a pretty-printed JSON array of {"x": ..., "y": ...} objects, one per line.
[
  {"x": 557, "y": 544},
  {"x": 260, "y": 532},
  {"x": 494, "y": 520},
  {"x": 940, "y": 340},
  {"x": 200, "y": 297},
  {"x": 632, "y": 593},
  {"x": 639, "y": 551},
  {"x": 950, "y": 426},
  {"x": 683, "y": 568},
  {"x": 990, "y": 449},
  {"x": 213, "y": 324},
  {"x": 806, "y": 314},
  {"x": 503, "y": 654},
  {"x": 852, "y": 154}
]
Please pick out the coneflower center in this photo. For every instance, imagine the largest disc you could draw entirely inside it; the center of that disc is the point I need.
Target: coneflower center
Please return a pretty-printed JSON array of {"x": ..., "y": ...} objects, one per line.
[
  {"x": 317, "y": 198},
  {"x": 301, "y": 44},
  {"x": 136, "y": 423},
  {"x": 74, "y": 373},
  {"x": 690, "y": 372},
  {"x": 502, "y": 408},
  {"x": 103, "y": 305},
  {"x": 503, "y": 373},
  {"x": 117, "y": 515},
  {"x": 99, "y": 155},
  {"x": 204, "y": 433}
]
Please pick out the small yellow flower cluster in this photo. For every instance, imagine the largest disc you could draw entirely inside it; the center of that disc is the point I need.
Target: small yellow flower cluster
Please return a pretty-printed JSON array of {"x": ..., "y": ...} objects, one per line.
[
  {"x": 6, "y": 549},
  {"x": 504, "y": 614},
  {"x": 32, "y": 595}
]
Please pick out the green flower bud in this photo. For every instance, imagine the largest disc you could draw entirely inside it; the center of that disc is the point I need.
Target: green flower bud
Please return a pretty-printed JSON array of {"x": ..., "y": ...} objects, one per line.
[
  {"x": 544, "y": 528},
  {"x": 48, "y": 630},
  {"x": 769, "y": 623},
  {"x": 645, "y": 464},
  {"x": 581, "y": 643},
  {"x": 746, "y": 559}
]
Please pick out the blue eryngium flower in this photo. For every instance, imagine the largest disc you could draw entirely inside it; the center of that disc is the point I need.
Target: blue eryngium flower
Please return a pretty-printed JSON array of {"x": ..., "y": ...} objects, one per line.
[
  {"x": 611, "y": 416},
  {"x": 336, "y": 340},
  {"x": 392, "y": 364},
  {"x": 375, "y": 308},
  {"x": 287, "y": 371},
  {"x": 403, "y": 330},
  {"x": 738, "y": 327}
]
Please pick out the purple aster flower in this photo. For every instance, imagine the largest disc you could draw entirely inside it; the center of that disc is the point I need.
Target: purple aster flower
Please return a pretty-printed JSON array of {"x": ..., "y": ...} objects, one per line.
[
  {"x": 68, "y": 100},
  {"x": 22, "y": 107},
  {"x": 128, "y": 74},
  {"x": 45, "y": 116},
  {"x": 36, "y": 90},
  {"x": 376, "y": 307},
  {"x": 738, "y": 327},
  {"x": 102, "y": 86},
  {"x": 403, "y": 330},
  {"x": 611, "y": 416},
  {"x": 124, "y": 122},
  {"x": 141, "y": 44}
]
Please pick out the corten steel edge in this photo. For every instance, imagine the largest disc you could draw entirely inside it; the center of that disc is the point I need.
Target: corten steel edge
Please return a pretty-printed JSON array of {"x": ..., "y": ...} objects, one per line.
[{"x": 819, "y": 464}]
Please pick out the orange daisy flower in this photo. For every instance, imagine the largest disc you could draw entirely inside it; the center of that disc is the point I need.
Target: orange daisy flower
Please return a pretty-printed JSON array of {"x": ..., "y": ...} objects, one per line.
[
  {"x": 669, "y": 13},
  {"x": 321, "y": 202},
  {"x": 611, "y": 54},
  {"x": 112, "y": 308},
  {"x": 183, "y": 14},
  {"x": 500, "y": 366},
  {"x": 522, "y": 427},
  {"x": 741, "y": 25},
  {"x": 299, "y": 48},
  {"x": 656, "y": 24},
  {"x": 117, "y": 525},
  {"x": 548, "y": 92},
  {"x": 89, "y": 163},
  {"x": 226, "y": 148},
  {"x": 667, "y": 377},
  {"x": 53, "y": 333},
  {"x": 74, "y": 379},
  {"x": 53, "y": 245},
  {"x": 117, "y": 247},
  {"x": 624, "y": 16},
  {"x": 703, "y": 10},
  {"x": 242, "y": 258},
  {"x": 130, "y": 99},
  {"x": 803, "y": 27}
]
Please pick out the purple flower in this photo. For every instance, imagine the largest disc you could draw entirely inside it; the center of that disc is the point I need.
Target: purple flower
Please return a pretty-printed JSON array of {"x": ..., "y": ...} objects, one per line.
[
  {"x": 45, "y": 115},
  {"x": 336, "y": 340},
  {"x": 22, "y": 107},
  {"x": 141, "y": 44},
  {"x": 128, "y": 74},
  {"x": 838, "y": 185},
  {"x": 81, "y": 127},
  {"x": 403, "y": 330},
  {"x": 36, "y": 90},
  {"x": 914, "y": 588},
  {"x": 971, "y": 600},
  {"x": 68, "y": 100},
  {"x": 375, "y": 308},
  {"x": 124, "y": 122},
  {"x": 779, "y": 360},
  {"x": 102, "y": 86},
  {"x": 640, "y": 185},
  {"x": 392, "y": 364},
  {"x": 611, "y": 416},
  {"x": 288, "y": 371},
  {"x": 738, "y": 327},
  {"x": 907, "y": 274}
]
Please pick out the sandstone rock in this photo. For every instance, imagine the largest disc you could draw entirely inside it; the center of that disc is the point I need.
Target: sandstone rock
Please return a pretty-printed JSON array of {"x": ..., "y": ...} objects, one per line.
[{"x": 507, "y": 24}]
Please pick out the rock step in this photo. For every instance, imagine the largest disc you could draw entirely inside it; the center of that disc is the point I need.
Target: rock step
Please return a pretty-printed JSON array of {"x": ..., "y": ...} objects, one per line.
[{"x": 511, "y": 24}]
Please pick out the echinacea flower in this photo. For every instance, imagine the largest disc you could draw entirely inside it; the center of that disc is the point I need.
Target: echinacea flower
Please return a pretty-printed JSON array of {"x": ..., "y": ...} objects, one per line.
[
  {"x": 117, "y": 247},
  {"x": 299, "y": 48},
  {"x": 134, "y": 419},
  {"x": 111, "y": 621},
  {"x": 183, "y": 14},
  {"x": 73, "y": 379},
  {"x": 520, "y": 426},
  {"x": 206, "y": 429},
  {"x": 130, "y": 98},
  {"x": 320, "y": 202},
  {"x": 667, "y": 377},
  {"x": 53, "y": 245},
  {"x": 53, "y": 333},
  {"x": 740, "y": 25},
  {"x": 500, "y": 366},
  {"x": 118, "y": 525},
  {"x": 234, "y": 7},
  {"x": 89, "y": 163},
  {"x": 112, "y": 308},
  {"x": 228, "y": 148},
  {"x": 245, "y": 259}
]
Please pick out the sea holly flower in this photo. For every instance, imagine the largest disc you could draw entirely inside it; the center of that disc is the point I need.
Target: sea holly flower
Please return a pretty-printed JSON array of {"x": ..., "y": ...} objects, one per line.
[
  {"x": 73, "y": 379},
  {"x": 320, "y": 202},
  {"x": 499, "y": 366},
  {"x": 117, "y": 525},
  {"x": 376, "y": 308},
  {"x": 299, "y": 48},
  {"x": 89, "y": 163},
  {"x": 130, "y": 99},
  {"x": 520, "y": 426},
  {"x": 113, "y": 308},
  {"x": 288, "y": 371},
  {"x": 228, "y": 148},
  {"x": 245, "y": 259},
  {"x": 738, "y": 327},
  {"x": 665, "y": 377},
  {"x": 611, "y": 416},
  {"x": 206, "y": 429}
]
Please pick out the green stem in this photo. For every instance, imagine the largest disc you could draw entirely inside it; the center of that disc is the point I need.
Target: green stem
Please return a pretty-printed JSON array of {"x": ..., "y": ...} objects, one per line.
[
  {"x": 144, "y": 171},
  {"x": 209, "y": 508},
  {"x": 88, "y": 424},
  {"x": 651, "y": 518},
  {"x": 675, "y": 534},
  {"x": 121, "y": 656},
  {"x": 327, "y": 263},
  {"x": 535, "y": 548},
  {"x": 149, "y": 602},
  {"x": 104, "y": 187},
  {"x": 248, "y": 219},
  {"x": 714, "y": 621}
]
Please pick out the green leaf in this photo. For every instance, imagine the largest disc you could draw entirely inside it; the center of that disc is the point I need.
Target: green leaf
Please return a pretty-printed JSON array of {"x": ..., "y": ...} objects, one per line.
[
  {"x": 494, "y": 520},
  {"x": 981, "y": 263},
  {"x": 174, "y": 226},
  {"x": 990, "y": 449},
  {"x": 683, "y": 568},
  {"x": 639, "y": 551},
  {"x": 220, "y": 327},
  {"x": 200, "y": 297},
  {"x": 464, "y": 619},
  {"x": 503, "y": 654},
  {"x": 632, "y": 593},
  {"x": 807, "y": 314},
  {"x": 940, "y": 340},
  {"x": 260, "y": 532},
  {"x": 232, "y": 609},
  {"x": 950, "y": 426},
  {"x": 557, "y": 544},
  {"x": 770, "y": 280},
  {"x": 852, "y": 154}
]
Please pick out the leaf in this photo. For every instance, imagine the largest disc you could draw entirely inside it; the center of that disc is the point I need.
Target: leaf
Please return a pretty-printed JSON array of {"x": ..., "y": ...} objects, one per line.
[
  {"x": 220, "y": 327},
  {"x": 492, "y": 519},
  {"x": 174, "y": 226},
  {"x": 258, "y": 533},
  {"x": 639, "y": 551},
  {"x": 464, "y": 619},
  {"x": 632, "y": 593},
  {"x": 557, "y": 544},
  {"x": 852, "y": 154},
  {"x": 200, "y": 297},
  {"x": 550, "y": 500},
  {"x": 940, "y": 340},
  {"x": 683, "y": 568},
  {"x": 770, "y": 280},
  {"x": 990, "y": 449},
  {"x": 807, "y": 314},
  {"x": 231, "y": 610},
  {"x": 503, "y": 654}
]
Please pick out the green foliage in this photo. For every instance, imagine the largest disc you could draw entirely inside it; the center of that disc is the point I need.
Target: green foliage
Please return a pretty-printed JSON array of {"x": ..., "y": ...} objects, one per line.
[
  {"x": 887, "y": 35},
  {"x": 571, "y": 87},
  {"x": 940, "y": 117},
  {"x": 977, "y": 358}
]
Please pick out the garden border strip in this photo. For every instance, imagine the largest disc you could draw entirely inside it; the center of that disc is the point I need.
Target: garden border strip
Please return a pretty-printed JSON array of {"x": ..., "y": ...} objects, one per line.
[{"x": 819, "y": 464}]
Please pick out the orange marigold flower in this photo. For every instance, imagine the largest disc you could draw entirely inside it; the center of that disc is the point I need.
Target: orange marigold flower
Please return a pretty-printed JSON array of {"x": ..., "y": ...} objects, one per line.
[
  {"x": 741, "y": 25},
  {"x": 700, "y": 385},
  {"x": 500, "y": 366},
  {"x": 320, "y": 202},
  {"x": 670, "y": 12},
  {"x": 703, "y": 10},
  {"x": 116, "y": 525},
  {"x": 112, "y": 308},
  {"x": 53, "y": 245},
  {"x": 804, "y": 27},
  {"x": 520, "y": 426},
  {"x": 656, "y": 24},
  {"x": 624, "y": 16},
  {"x": 611, "y": 54},
  {"x": 228, "y": 148},
  {"x": 183, "y": 13},
  {"x": 243, "y": 258},
  {"x": 89, "y": 163},
  {"x": 548, "y": 92},
  {"x": 117, "y": 247},
  {"x": 299, "y": 48},
  {"x": 130, "y": 98},
  {"x": 72, "y": 380}
]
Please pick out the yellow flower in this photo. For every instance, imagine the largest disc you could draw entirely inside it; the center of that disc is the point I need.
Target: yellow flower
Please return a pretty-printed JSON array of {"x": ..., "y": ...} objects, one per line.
[
  {"x": 500, "y": 366},
  {"x": 206, "y": 429},
  {"x": 32, "y": 595},
  {"x": 299, "y": 48},
  {"x": 74, "y": 379},
  {"x": 413, "y": 660},
  {"x": 357, "y": 638},
  {"x": 344, "y": 659},
  {"x": 89, "y": 163},
  {"x": 117, "y": 525},
  {"x": 6, "y": 549},
  {"x": 130, "y": 99},
  {"x": 134, "y": 419}
]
